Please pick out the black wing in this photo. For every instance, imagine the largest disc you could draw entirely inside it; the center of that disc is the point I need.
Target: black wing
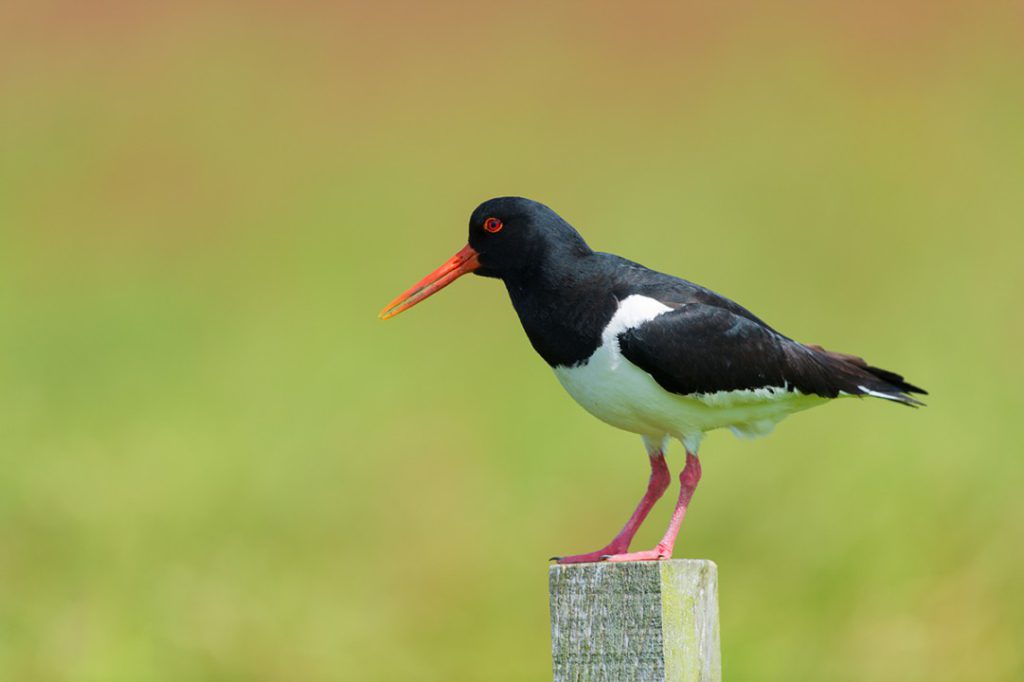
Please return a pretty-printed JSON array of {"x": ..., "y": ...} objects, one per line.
[
  {"x": 701, "y": 348},
  {"x": 633, "y": 278}
]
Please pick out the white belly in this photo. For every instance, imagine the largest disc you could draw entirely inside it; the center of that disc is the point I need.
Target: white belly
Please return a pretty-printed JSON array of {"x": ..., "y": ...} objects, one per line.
[{"x": 618, "y": 392}]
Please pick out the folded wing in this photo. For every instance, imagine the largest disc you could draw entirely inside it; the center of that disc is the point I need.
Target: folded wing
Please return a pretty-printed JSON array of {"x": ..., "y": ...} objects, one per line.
[{"x": 701, "y": 349}]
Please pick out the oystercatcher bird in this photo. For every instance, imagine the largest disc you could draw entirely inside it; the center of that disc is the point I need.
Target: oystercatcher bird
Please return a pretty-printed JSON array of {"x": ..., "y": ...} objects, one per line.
[{"x": 647, "y": 352}]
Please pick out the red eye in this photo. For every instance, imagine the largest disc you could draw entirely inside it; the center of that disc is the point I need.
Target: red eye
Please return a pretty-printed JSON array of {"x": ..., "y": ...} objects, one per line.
[{"x": 493, "y": 225}]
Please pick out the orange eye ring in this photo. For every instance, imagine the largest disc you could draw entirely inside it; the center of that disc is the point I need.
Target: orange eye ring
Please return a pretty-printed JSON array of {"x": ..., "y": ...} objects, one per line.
[{"x": 493, "y": 225}]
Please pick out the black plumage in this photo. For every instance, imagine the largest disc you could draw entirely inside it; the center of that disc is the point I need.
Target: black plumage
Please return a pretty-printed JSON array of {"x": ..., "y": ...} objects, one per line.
[{"x": 700, "y": 348}]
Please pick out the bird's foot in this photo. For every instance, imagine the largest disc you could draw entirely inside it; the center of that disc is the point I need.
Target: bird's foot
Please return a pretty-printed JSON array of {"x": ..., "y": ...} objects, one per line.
[
  {"x": 591, "y": 557},
  {"x": 657, "y": 554}
]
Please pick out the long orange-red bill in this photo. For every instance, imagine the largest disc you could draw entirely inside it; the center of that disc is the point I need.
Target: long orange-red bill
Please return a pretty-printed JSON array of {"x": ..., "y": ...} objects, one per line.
[{"x": 456, "y": 266}]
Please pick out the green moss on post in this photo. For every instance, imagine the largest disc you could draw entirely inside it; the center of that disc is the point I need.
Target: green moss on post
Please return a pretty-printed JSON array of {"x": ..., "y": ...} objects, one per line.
[{"x": 643, "y": 622}]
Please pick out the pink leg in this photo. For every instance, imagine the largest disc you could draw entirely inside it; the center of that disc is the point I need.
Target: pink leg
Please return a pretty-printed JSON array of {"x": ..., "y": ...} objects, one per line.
[
  {"x": 688, "y": 480},
  {"x": 656, "y": 486}
]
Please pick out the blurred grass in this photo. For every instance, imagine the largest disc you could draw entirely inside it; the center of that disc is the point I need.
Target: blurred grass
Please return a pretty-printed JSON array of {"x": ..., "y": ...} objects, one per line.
[{"x": 219, "y": 465}]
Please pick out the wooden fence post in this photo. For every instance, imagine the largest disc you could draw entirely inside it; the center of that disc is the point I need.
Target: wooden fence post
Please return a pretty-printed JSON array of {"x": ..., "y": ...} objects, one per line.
[{"x": 652, "y": 621}]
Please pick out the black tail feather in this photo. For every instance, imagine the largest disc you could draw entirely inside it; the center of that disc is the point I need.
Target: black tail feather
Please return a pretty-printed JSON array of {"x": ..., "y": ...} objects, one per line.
[
  {"x": 857, "y": 377},
  {"x": 895, "y": 380}
]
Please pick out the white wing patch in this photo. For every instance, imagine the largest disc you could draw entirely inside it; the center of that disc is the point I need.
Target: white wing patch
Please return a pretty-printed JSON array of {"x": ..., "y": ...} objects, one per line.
[{"x": 633, "y": 311}]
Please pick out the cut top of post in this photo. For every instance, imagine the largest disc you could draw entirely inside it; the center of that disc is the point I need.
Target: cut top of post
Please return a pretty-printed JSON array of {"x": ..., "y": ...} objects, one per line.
[{"x": 645, "y": 621}]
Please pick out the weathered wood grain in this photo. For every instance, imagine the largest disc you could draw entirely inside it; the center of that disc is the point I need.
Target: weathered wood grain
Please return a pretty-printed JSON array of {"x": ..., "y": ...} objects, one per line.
[{"x": 642, "y": 622}]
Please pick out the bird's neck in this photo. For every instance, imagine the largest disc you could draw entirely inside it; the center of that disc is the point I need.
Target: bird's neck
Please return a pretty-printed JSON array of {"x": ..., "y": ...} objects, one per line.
[{"x": 561, "y": 311}]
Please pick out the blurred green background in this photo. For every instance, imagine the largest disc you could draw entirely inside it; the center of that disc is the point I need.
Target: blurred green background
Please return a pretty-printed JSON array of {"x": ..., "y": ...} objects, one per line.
[{"x": 217, "y": 464}]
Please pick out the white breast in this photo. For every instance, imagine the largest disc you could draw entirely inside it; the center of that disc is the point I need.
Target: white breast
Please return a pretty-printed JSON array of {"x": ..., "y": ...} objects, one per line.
[{"x": 618, "y": 392}]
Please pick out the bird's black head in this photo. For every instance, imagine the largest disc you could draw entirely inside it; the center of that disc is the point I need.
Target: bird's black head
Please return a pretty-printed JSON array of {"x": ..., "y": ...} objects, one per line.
[
  {"x": 513, "y": 235},
  {"x": 509, "y": 237}
]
